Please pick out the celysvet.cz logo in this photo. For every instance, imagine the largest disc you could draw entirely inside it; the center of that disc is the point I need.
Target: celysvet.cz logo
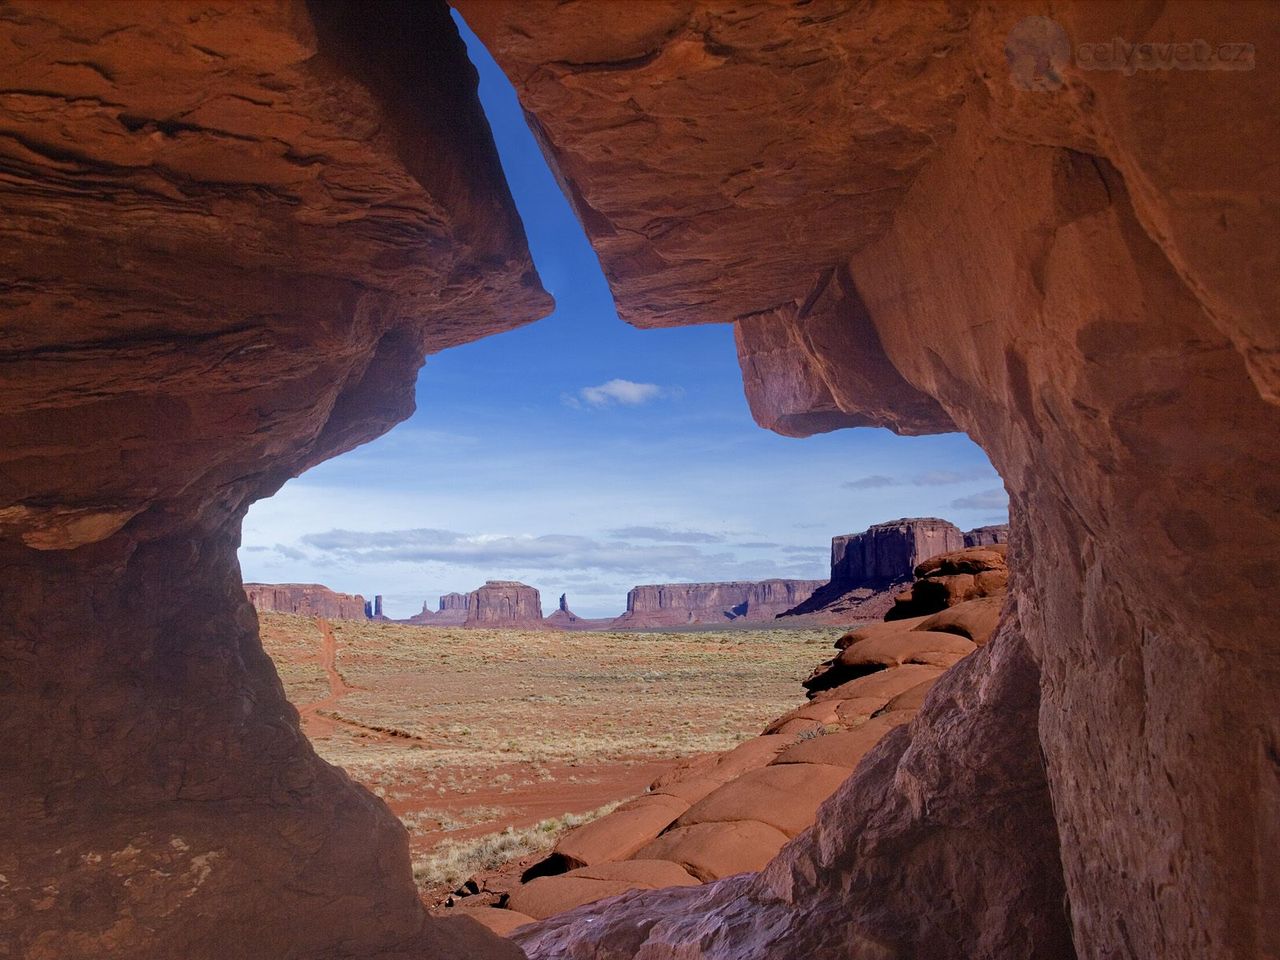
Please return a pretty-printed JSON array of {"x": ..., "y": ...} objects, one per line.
[{"x": 1038, "y": 49}]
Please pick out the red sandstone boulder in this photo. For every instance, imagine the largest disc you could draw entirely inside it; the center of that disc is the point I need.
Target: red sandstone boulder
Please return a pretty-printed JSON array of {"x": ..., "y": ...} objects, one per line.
[
  {"x": 713, "y": 850},
  {"x": 953, "y": 578},
  {"x": 782, "y": 796},
  {"x": 844, "y": 748},
  {"x": 975, "y": 619},
  {"x": 620, "y": 834},
  {"x": 546, "y": 896}
]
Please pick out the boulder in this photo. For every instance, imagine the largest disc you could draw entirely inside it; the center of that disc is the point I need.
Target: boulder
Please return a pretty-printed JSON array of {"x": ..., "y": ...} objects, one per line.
[
  {"x": 783, "y": 796},
  {"x": 501, "y": 922},
  {"x": 844, "y": 748},
  {"x": 620, "y": 834},
  {"x": 975, "y": 619},
  {"x": 546, "y": 896},
  {"x": 881, "y": 684},
  {"x": 714, "y": 850},
  {"x": 953, "y": 578}
]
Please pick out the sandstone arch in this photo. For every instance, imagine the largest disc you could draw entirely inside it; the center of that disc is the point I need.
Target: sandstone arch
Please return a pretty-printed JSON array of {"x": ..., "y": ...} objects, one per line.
[{"x": 1081, "y": 280}]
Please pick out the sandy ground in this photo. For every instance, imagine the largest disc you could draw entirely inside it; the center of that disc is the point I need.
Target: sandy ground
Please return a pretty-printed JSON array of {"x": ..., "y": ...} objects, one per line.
[{"x": 466, "y": 733}]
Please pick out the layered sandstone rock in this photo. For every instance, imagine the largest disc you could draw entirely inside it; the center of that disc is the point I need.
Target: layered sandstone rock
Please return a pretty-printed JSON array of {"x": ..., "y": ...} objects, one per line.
[
  {"x": 229, "y": 235},
  {"x": 679, "y": 604},
  {"x": 986, "y": 536},
  {"x": 566, "y": 619},
  {"x": 1080, "y": 274},
  {"x": 504, "y": 603},
  {"x": 869, "y": 568},
  {"x": 307, "y": 599},
  {"x": 716, "y": 816},
  {"x": 890, "y": 551},
  {"x": 451, "y": 612},
  {"x": 953, "y": 578}
]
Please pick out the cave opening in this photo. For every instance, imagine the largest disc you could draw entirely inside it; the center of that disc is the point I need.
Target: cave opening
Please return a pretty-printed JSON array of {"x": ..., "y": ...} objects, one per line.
[
  {"x": 231, "y": 235},
  {"x": 634, "y": 459}
]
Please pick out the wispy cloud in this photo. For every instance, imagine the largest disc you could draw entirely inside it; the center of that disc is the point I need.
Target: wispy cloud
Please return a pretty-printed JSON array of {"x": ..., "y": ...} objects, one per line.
[
  {"x": 664, "y": 535},
  {"x": 625, "y": 393},
  {"x": 552, "y": 551},
  {"x": 995, "y": 499},
  {"x": 929, "y": 478}
]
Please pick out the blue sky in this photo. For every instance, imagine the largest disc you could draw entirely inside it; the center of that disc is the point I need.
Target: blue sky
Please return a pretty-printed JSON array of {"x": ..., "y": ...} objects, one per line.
[{"x": 584, "y": 456}]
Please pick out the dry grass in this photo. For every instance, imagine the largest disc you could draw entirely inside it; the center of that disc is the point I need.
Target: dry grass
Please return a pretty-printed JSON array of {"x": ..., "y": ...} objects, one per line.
[
  {"x": 454, "y": 861},
  {"x": 466, "y": 732}
]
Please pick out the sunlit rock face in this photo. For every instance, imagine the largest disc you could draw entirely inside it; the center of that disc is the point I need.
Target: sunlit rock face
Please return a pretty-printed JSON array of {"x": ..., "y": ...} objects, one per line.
[
  {"x": 1077, "y": 268},
  {"x": 229, "y": 234},
  {"x": 504, "y": 603},
  {"x": 307, "y": 599}
]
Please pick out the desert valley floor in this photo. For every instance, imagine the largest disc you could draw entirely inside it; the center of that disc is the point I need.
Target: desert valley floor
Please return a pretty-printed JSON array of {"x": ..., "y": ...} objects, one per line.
[{"x": 466, "y": 733}]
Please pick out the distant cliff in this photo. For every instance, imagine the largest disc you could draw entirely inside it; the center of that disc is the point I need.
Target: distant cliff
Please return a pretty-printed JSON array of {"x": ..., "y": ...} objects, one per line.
[
  {"x": 868, "y": 568},
  {"x": 307, "y": 599},
  {"x": 452, "y": 612},
  {"x": 676, "y": 604},
  {"x": 987, "y": 536},
  {"x": 504, "y": 603}
]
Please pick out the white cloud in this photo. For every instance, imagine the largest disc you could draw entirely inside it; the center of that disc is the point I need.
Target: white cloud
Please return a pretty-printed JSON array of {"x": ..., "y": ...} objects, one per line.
[
  {"x": 625, "y": 392},
  {"x": 929, "y": 478},
  {"x": 995, "y": 499}
]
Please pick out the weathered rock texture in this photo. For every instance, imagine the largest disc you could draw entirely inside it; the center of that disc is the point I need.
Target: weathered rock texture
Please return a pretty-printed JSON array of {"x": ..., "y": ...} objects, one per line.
[
  {"x": 307, "y": 599},
  {"x": 720, "y": 815},
  {"x": 504, "y": 603},
  {"x": 1077, "y": 266},
  {"x": 953, "y": 578},
  {"x": 986, "y": 536},
  {"x": 451, "y": 612},
  {"x": 869, "y": 568},
  {"x": 676, "y": 604},
  {"x": 890, "y": 551},
  {"x": 228, "y": 236},
  {"x": 566, "y": 619}
]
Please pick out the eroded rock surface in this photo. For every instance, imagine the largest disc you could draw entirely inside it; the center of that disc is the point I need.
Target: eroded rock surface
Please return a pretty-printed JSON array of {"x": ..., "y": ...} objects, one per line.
[
  {"x": 1077, "y": 271},
  {"x": 677, "y": 604},
  {"x": 229, "y": 237},
  {"x": 308, "y": 599},
  {"x": 504, "y": 603}
]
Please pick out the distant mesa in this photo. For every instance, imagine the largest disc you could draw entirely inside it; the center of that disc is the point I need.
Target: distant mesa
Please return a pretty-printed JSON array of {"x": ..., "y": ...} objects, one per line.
[
  {"x": 452, "y": 612},
  {"x": 306, "y": 599},
  {"x": 869, "y": 569},
  {"x": 504, "y": 603},
  {"x": 566, "y": 619},
  {"x": 869, "y": 572},
  {"x": 987, "y": 536},
  {"x": 681, "y": 604}
]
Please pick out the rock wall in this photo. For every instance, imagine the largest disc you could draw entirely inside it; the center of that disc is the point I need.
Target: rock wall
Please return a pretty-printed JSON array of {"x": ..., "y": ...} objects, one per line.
[
  {"x": 307, "y": 599},
  {"x": 890, "y": 551},
  {"x": 452, "y": 601},
  {"x": 1076, "y": 266},
  {"x": 504, "y": 603},
  {"x": 768, "y": 598},
  {"x": 229, "y": 235},
  {"x": 987, "y": 536},
  {"x": 676, "y": 604}
]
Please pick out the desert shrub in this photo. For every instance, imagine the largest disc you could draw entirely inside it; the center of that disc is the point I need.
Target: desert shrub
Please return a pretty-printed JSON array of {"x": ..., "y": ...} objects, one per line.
[{"x": 454, "y": 861}]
